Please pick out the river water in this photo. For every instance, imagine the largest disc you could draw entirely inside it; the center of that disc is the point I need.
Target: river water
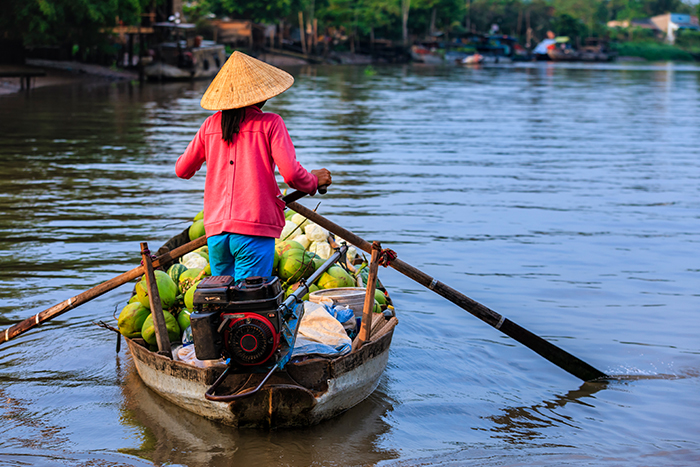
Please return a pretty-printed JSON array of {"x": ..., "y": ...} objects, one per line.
[{"x": 564, "y": 197}]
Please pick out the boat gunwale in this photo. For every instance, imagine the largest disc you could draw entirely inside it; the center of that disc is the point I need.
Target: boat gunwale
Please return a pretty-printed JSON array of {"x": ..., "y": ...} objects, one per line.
[{"x": 325, "y": 368}]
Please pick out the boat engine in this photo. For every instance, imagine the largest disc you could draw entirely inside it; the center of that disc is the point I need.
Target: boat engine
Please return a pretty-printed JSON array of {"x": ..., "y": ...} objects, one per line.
[
  {"x": 249, "y": 323},
  {"x": 239, "y": 321}
]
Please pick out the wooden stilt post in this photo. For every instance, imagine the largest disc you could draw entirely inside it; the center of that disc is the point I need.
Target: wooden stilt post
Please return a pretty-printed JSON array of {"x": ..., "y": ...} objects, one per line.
[
  {"x": 156, "y": 308},
  {"x": 302, "y": 35},
  {"x": 368, "y": 308}
]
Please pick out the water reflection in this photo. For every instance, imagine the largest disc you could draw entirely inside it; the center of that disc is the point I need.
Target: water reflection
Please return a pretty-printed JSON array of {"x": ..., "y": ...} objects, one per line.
[
  {"x": 520, "y": 424},
  {"x": 173, "y": 435}
]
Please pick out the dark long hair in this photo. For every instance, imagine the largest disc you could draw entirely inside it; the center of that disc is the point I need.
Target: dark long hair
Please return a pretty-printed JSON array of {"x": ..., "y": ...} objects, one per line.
[{"x": 231, "y": 121}]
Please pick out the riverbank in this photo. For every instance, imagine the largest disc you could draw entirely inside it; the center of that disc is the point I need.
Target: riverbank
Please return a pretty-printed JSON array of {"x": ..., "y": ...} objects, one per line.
[
  {"x": 654, "y": 51},
  {"x": 59, "y": 73},
  {"x": 69, "y": 72}
]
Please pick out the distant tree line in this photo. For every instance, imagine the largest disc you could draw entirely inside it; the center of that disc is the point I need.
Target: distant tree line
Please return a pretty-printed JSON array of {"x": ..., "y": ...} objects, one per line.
[
  {"x": 401, "y": 19},
  {"x": 82, "y": 24}
]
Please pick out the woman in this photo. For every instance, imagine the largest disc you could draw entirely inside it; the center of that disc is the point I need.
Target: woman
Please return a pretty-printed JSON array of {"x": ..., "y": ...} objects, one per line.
[{"x": 243, "y": 209}]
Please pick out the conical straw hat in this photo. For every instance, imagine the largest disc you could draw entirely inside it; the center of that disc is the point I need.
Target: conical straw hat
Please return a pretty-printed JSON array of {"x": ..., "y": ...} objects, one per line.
[{"x": 243, "y": 81}]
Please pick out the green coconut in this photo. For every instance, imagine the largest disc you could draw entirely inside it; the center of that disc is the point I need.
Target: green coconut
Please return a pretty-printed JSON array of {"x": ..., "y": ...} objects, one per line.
[
  {"x": 134, "y": 299},
  {"x": 380, "y": 297},
  {"x": 167, "y": 290},
  {"x": 295, "y": 265},
  {"x": 141, "y": 293},
  {"x": 293, "y": 288},
  {"x": 199, "y": 216},
  {"x": 276, "y": 264},
  {"x": 318, "y": 261},
  {"x": 283, "y": 246},
  {"x": 312, "y": 288},
  {"x": 335, "y": 277},
  {"x": 189, "y": 296},
  {"x": 288, "y": 214},
  {"x": 187, "y": 279},
  {"x": 131, "y": 319},
  {"x": 148, "y": 331},
  {"x": 183, "y": 320},
  {"x": 197, "y": 229}
]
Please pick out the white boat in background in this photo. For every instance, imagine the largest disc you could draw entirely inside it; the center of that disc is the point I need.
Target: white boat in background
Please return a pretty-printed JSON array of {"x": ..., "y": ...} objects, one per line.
[{"x": 475, "y": 59}]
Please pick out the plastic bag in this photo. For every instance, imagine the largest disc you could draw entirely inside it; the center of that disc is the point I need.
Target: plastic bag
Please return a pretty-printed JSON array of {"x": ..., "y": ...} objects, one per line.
[{"x": 320, "y": 333}]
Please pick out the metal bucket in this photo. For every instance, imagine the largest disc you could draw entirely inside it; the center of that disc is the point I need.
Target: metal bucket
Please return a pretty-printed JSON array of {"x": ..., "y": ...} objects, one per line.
[{"x": 353, "y": 297}]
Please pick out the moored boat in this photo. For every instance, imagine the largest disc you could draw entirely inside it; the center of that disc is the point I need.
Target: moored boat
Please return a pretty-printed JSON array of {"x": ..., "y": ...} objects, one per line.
[
  {"x": 307, "y": 391},
  {"x": 182, "y": 55},
  {"x": 596, "y": 50}
]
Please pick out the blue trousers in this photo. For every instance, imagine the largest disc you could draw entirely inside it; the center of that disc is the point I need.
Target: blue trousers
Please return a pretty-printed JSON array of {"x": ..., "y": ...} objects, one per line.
[{"x": 241, "y": 256}]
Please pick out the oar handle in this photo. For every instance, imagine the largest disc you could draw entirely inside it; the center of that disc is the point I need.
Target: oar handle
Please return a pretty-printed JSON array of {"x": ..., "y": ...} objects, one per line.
[{"x": 297, "y": 195}]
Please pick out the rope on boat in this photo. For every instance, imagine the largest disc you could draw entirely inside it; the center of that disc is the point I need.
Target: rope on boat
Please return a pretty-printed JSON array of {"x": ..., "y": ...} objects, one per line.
[
  {"x": 104, "y": 325},
  {"x": 146, "y": 251},
  {"x": 386, "y": 257}
]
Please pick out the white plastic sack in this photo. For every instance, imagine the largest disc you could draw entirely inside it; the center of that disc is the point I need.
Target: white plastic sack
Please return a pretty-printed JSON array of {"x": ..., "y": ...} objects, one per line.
[
  {"x": 186, "y": 354},
  {"x": 290, "y": 229},
  {"x": 194, "y": 260},
  {"x": 322, "y": 249},
  {"x": 302, "y": 240},
  {"x": 301, "y": 221},
  {"x": 320, "y": 334},
  {"x": 316, "y": 233}
]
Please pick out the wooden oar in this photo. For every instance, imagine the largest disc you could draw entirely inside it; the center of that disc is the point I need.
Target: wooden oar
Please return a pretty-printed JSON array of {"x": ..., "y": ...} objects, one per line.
[
  {"x": 112, "y": 284},
  {"x": 551, "y": 352},
  {"x": 95, "y": 292}
]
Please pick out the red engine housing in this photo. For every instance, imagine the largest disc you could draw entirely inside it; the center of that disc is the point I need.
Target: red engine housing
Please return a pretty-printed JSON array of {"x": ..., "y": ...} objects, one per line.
[{"x": 249, "y": 338}]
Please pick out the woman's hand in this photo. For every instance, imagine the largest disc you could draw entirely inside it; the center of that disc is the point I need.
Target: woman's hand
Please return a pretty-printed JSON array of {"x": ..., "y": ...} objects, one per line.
[{"x": 323, "y": 176}]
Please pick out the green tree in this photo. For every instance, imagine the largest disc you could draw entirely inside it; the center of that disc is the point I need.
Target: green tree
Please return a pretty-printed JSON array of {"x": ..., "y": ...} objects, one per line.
[
  {"x": 436, "y": 15},
  {"x": 268, "y": 11},
  {"x": 66, "y": 23},
  {"x": 567, "y": 25},
  {"x": 660, "y": 7},
  {"x": 571, "y": 11},
  {"x": 504, "y": 13}
]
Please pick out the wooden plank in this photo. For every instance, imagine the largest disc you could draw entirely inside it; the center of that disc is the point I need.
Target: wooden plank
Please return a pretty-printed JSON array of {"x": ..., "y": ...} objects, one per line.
[
  {"x": 156, "y": 308},
  {"x": 368, "y": 308}
]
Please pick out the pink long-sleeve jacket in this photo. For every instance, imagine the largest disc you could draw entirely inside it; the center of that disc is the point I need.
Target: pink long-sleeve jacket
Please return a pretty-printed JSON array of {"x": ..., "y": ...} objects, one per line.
[{"x": 240, "y": 192}]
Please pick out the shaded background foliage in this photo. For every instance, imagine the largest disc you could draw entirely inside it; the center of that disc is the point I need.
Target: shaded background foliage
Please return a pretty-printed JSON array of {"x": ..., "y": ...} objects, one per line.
[{"x": 81, "y": 24}]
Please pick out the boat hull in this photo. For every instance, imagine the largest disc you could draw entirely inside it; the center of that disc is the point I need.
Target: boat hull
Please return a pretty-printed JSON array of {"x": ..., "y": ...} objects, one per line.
[
  {"x": 304, "y": 394},
  {"x": 205, "y": 64}
]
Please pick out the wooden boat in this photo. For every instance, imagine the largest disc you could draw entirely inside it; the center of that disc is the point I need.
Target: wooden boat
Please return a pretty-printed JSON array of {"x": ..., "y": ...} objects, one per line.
[
  {"x": 305, "y": 393},
  {"x": 182, "y": 55},
  {"x": 596, "y": 50}
]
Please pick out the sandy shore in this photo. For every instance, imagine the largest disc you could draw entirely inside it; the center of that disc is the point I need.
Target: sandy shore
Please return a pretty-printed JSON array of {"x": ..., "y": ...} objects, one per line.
[{"x": 62, "y": 73}]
